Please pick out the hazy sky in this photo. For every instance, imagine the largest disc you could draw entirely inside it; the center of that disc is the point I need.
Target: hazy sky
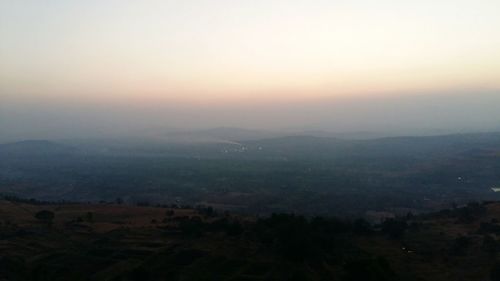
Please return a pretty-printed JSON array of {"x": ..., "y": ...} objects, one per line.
[{"x": 221, "y": 62}]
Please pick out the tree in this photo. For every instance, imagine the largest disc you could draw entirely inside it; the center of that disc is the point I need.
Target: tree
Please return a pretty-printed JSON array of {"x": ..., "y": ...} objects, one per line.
[
  {"x": 89, "y": 216},
  {"x": 495, "y": 273},
  {"x": 395, "y": 228},
  {"x": 45, "y": 216},
  {"x": 361, "y": 226},
  {"x": 234, "y": 228},
  {"x": 377, "y": 269},
  {"x": 460, "y": 245},
  {"x": 193, "y": 227},
  {"x": 490, "y": 245}
]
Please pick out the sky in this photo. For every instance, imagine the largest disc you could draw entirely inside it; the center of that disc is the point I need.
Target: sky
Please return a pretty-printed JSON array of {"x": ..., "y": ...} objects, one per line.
[{"x": 88, "y": 66}]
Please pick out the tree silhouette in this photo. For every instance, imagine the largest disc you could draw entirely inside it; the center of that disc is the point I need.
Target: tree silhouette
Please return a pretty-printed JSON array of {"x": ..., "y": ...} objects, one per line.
[
  {"x": 45, "y": 216},
  {"x": 495, "y": 273}
]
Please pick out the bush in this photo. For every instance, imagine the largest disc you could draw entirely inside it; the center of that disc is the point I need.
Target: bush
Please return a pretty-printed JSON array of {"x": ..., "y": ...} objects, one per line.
[
  {"x": 297, "y": 238},
  {"x": 193, "y": 227},
  {"x": 377, "y": 269},
  {"x": 460, "y": 245},
  {"x": 394, "y": 228},
  {"x": 490, "y": 245},
  {"x": 45, "y": 216},
  {"x": 361, "y": 226},
  {"x": 89, "y": 216},
  {"x": 487, "y": 227},
  {"x": 495, "y": 273}
]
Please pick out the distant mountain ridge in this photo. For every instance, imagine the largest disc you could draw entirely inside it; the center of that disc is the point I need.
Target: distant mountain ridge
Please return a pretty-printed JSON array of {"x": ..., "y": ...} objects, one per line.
[
  {"x": 35, "y": 147},
  {"x": 258, "y": 144}
]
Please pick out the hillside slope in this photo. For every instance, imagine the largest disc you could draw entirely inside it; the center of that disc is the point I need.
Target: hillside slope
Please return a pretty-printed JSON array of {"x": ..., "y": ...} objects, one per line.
[{"x": 118, "y": 242}]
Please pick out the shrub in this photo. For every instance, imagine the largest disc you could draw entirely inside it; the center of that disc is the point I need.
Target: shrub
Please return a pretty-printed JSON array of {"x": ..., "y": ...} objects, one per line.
[
  {"x": 377, "y": 269},
  {"x": 395, "y": 228},
  {"x": 45, "y": 216}
]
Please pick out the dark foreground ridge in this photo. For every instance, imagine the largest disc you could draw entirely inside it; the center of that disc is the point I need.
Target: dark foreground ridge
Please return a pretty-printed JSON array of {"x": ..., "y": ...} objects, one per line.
[{"x": 70, "y": 241}]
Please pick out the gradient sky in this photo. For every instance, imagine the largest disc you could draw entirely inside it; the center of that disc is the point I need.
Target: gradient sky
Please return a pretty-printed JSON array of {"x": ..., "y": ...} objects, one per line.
[{"x": 61, "y": 54}]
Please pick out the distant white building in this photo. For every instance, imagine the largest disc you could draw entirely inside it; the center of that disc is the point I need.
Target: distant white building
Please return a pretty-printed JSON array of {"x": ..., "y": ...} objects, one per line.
[{"x": 495, "y": 189}]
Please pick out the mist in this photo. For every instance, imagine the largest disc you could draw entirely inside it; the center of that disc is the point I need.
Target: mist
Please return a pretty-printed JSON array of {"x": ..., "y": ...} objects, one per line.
[{"x": 406, "y": 114}]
